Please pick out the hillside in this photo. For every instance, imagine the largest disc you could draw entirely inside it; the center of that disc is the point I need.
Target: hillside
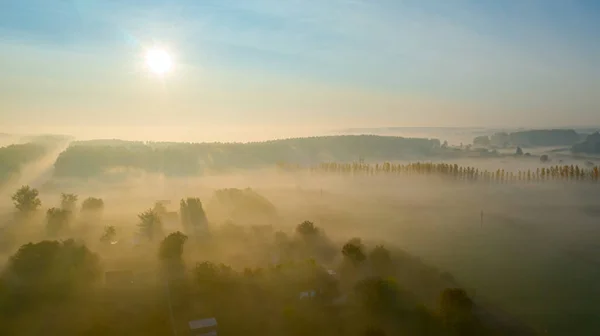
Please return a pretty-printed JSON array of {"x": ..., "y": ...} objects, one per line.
[
  {"x": 530, "y": 138},
  {"x": 91, "y": 158},
  {"x": 591, "y": 145}
]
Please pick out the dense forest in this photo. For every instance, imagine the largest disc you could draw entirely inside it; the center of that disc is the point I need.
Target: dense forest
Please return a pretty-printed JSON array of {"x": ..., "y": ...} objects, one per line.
[
  {"x": 14, "y": 157},
  {"x": 591, "y": 145},
  {"x": 247, "y": 280},
  {"x": 530, "y": 138},
  {"x": 228, "y": 257},
  {"x": 85, "y": 159}
]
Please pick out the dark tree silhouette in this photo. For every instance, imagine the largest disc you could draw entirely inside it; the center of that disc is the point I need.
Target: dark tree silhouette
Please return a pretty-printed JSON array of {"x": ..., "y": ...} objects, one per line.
[
  {"x": 150, "y": 224},
  {"x": 307, "y": 229},
  {"x": 109, "y": 235},
  {"x": 380, "y": 259},
  {"x": 57, "y": 221},
  {"x": 171, "y": 248},
  {"x": 455, "y": 306},
  {"x": 68, "y": 202},
  {"x": 379, "y": 296},
  {"x": 92, "y": 204},
  {"x": 14, "y": 157},
  {"x": 51, "y": 269},
  {"x": 193, "y": 217},
  {"x": 160, "y": 209},
  {"x": 519, "y": 151},
  {"x": 353, "y": 250},
  {"x": 26, "y": 199}
]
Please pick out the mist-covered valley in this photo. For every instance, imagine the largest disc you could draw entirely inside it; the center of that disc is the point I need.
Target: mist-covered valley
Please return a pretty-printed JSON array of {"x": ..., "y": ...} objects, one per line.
[{"x": 502, "y": 245}]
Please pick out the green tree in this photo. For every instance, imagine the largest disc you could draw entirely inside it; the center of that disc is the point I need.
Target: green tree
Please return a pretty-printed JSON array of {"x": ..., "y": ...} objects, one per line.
[
  {"x": 160, "y": 209},
  {"x": 380, "y": 259},
  {"x": 353, "y": 250},
  {"x": 307, "y": 229},
  {"x": 150, "y": 224},
  {"x": 109, "y": 235},
  {"x": 379, "y": 296},
  {"x": 193, "y": 217},
  {"x": 171, "y": 248},
  {"x": 51, "y": 269},
  {"x": 26, "y": 199},
  {"x": 57, "y": 220},
  {"x": 519, "y": 151},
  {"x": 92, "y": 204},
  {"x": 455, "y": 306},
  {"x": 68, "y": 202}
]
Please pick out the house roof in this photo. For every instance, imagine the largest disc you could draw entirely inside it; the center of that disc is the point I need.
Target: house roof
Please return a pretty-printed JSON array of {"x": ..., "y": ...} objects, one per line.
[{"x": 203, "y": 323}]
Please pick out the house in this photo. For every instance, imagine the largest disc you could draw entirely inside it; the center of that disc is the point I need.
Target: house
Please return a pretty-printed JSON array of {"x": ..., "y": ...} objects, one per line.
[{"x": 203, "y": 327}]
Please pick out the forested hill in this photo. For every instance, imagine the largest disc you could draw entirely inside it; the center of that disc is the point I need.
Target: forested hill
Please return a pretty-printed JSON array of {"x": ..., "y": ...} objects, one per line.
[
  {"x": 27, "y": 150},
  {"x": 530, "y": 138},
  {"x": 92, "y": 158},
  {"x": 14, "y": 157}
]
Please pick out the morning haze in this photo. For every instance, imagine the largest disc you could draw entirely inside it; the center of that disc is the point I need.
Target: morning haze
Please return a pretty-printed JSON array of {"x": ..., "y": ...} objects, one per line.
[{"x": 299, "y": 168}]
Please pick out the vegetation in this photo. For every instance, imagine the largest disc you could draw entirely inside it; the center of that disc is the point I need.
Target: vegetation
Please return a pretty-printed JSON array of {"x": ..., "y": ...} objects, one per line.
[
  {"x": 455, "y": 172},
  {"x": 591, "y": 145},
  {"x": 315, "y": 287},
  {"x": 530, "y": 138},
  {"x": 14, "y": 157},
  {"x": 109, "y": 235},
  {"x": 57, "y": 221},
  {"x": 193, "y": 217},
  {"x": 242, "y": 205},
  {"x": 49, "y": 271},
  {"x": 150, "y": 224},
  {"x": 26, "y": 199},
  {"x": 171, "y": 248},
  {"x": 68, "y": 202},
  {"x": 94, "y": 158},
  {"x": 92, "y": 204}
]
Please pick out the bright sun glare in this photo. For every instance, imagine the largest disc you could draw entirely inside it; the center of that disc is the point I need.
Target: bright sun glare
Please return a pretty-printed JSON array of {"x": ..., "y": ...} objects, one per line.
[{"x": 158, "y": 61}]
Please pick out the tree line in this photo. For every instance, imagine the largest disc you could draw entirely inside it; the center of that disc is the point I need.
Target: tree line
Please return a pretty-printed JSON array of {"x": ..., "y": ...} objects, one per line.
[
  {"x": 455, "y": 172},
  {"x": 14, "y": 157},
  {"x": 93, "y": 158}
]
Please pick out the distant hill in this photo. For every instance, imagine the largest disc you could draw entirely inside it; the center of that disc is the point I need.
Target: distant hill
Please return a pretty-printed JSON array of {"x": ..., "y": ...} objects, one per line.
[
  {"x": 531, "y": 138},
  {"x": 90, "y": 158},
  {"x": 14, "y": 157},
  {"x": 591, "y": 145}
]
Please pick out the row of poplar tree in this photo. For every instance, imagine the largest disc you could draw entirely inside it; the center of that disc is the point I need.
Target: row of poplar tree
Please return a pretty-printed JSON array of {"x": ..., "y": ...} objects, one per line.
[{"x": 454, "y": 171}]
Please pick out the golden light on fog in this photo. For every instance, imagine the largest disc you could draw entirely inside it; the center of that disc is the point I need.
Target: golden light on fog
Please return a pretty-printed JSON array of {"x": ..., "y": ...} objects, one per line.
[{"x": 158, "y": 61}]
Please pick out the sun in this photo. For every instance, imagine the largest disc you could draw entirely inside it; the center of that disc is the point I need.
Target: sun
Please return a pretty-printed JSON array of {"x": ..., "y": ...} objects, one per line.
[{"x": 158, "y": 61}]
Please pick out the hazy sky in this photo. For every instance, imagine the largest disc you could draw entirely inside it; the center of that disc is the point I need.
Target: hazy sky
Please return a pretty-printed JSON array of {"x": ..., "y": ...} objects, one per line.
[{"x": 78, "y": 65}]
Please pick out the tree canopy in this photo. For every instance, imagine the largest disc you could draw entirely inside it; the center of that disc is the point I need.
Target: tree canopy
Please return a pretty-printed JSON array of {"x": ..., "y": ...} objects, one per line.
[
  {"x": 26, "y": 199},
  {"x": 171, "y": 248},
  {"x": 92, "y": 204},
  {"x": 150, "y": 224},
  {"x": 14, "y": 157},
  {"x": 51, "y": 269},
  {"x": 68, "y": 202},
  {"x": 93, "y": 158}
]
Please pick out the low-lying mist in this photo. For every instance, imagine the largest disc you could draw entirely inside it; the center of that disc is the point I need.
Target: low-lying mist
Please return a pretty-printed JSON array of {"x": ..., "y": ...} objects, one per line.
[{"x": 527, "y": 249}]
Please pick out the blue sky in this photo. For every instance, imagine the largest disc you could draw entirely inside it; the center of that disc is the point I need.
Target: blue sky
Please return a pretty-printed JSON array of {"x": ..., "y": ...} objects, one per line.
[{"x": 290, "y": 64}]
